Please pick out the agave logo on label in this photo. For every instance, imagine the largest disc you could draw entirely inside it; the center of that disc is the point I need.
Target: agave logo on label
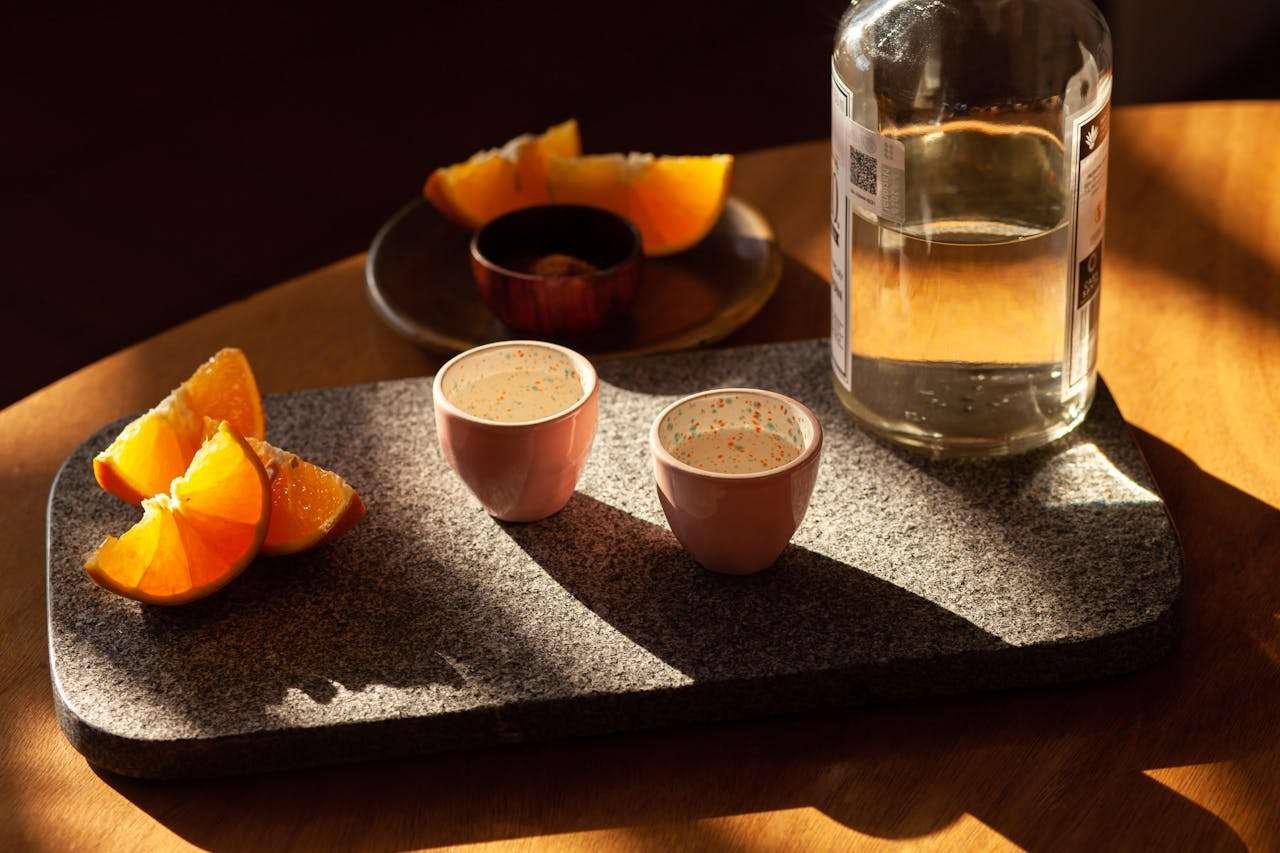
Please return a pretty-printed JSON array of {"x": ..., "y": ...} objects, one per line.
[{"x": 1094, "y": 132}]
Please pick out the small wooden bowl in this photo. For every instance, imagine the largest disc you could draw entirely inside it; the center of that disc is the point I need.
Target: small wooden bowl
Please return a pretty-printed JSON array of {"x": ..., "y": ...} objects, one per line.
[{"x": 529, "y": 267}]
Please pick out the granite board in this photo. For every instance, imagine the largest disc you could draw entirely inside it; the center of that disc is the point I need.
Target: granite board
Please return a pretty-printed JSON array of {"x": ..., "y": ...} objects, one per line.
[{"x": 432, "y": 626}]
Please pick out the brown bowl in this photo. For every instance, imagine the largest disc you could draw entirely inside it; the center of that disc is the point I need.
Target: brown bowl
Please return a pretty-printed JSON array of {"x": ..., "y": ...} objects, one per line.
[{"x": 557, "y": 269}]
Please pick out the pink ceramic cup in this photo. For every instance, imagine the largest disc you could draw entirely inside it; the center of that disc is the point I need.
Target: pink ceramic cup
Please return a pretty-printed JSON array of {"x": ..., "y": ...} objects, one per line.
[
  {"x": 739, "y": 519},
  {"x": 521, "y": 469}
]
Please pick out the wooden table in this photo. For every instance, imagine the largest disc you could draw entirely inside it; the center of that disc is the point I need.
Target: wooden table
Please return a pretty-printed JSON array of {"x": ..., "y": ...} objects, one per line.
[{"x": 1185, "y": 754}]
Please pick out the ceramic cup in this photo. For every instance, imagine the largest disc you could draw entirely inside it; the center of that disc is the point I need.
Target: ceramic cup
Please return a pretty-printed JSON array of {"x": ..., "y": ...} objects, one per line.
[
  {"x": 735, "y": 468},
  {"x": 515, "y": 421}
]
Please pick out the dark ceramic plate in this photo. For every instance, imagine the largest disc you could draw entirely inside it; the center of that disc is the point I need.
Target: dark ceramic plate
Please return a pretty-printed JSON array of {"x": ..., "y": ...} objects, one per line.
[{"x": 419, "y": 279}]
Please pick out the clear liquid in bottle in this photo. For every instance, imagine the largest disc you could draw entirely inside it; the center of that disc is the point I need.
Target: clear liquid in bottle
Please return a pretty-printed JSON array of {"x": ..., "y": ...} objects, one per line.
[{"x": 968, "y": 201}]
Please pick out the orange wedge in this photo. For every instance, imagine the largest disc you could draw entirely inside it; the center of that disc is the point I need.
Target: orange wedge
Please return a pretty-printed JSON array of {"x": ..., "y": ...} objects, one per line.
[
  {"x": 309, "y": 505},
  {"x": 674, "y": 201},
  {"x": 199, "y": 535},
  {"x": 160, "y": 444},
  {"x": 500, "y": 180}
]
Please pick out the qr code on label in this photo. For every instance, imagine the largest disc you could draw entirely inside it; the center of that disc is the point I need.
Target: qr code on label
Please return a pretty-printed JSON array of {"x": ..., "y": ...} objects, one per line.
[{"x": 862, "y": 171}]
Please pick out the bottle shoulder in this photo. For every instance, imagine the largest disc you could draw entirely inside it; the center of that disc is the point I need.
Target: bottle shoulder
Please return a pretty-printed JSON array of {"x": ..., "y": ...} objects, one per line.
[
  {"x": 889, "y": 32},
  {"x": 929, "y": 61}
]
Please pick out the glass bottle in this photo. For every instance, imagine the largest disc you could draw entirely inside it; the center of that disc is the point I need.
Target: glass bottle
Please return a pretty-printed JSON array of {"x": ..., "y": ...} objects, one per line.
[{"x": 969, "y": 170}]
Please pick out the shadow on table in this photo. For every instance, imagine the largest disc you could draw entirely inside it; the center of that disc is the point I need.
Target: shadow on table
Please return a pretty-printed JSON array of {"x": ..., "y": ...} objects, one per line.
[{"x": 1047, "y": 769}]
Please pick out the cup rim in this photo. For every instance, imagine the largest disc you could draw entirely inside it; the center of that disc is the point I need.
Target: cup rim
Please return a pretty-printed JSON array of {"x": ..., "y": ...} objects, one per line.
[
  {"x": 586, "y": 371},
  {"x": 632, "y": 256},
  {"x": 664, "y": 456}
]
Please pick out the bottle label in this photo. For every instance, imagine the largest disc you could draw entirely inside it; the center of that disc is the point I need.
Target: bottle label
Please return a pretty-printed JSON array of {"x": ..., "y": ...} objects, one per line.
[
  {"x": 868, "y": 174},
  {"x": 1088, "y": 221},
  {"x": 841, "y": 211},
  {"x": 877, "y": 173}
]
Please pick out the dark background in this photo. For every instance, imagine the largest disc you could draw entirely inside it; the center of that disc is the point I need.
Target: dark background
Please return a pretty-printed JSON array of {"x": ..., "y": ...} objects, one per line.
[{"x": 158, "y": 163}]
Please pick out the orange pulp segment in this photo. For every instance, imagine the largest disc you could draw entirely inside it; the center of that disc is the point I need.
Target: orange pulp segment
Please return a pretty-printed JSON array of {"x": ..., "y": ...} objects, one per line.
[
  {"x": 197, "y": 537},
  {"x": 499, "y": 180},
  {"x": 309, "y": 505},
  {"x": 160, "y": 444},
  {"x": 223, "y": 388},
  {"x": 673, "y": 201}
]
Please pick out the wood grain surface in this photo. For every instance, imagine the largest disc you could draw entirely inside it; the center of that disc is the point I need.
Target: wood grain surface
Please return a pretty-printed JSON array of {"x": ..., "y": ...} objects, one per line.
[{"x": 1184, "y": 755}]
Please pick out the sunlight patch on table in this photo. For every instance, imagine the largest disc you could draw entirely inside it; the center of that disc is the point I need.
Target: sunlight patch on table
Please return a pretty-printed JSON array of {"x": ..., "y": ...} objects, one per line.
[
  {"x": 1242, "y": 792},
  {"x": 779, "y": 829}
]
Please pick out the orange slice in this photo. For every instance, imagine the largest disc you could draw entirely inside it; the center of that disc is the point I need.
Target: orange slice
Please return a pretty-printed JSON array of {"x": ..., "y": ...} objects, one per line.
[
  {"x": 160, "y": 444},
  {"x": 309, "y": 505},
  {"x": 196, "y": 538},
  {"x": 500, "y": 180},
  {"x": 674, "y": 201}
]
